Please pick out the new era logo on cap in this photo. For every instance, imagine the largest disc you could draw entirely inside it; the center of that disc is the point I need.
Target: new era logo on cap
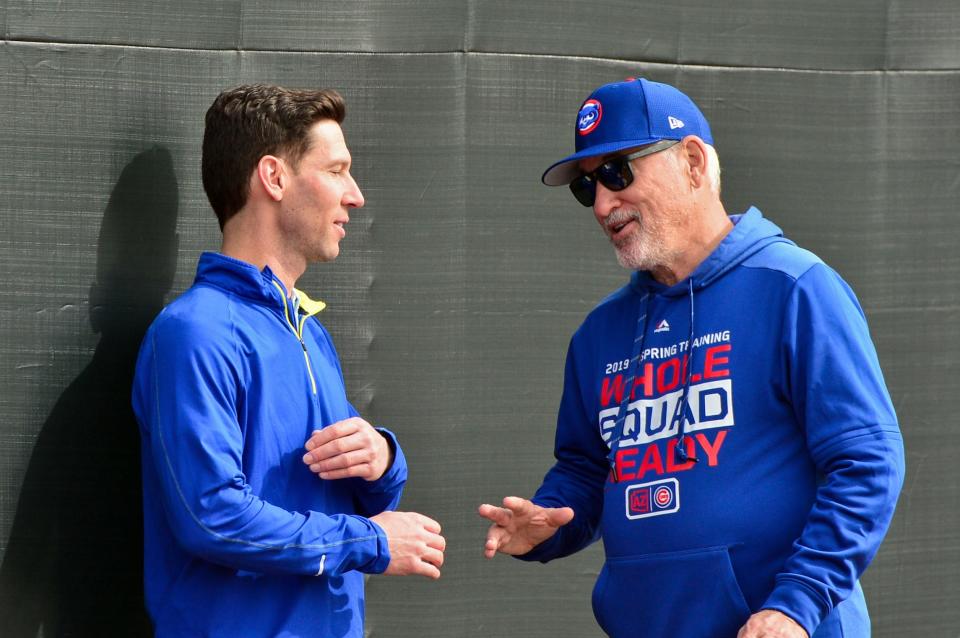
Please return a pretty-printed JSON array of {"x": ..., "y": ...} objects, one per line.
[{"x": 674, "y": 122}]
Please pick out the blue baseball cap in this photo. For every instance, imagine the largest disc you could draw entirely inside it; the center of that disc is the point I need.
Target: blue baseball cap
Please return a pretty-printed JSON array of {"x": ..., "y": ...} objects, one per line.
[{"x": 625, "y": 115}]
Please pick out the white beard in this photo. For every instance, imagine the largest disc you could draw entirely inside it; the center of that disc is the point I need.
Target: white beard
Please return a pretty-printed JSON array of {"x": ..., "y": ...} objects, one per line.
[{"x": 644, "y": 248}]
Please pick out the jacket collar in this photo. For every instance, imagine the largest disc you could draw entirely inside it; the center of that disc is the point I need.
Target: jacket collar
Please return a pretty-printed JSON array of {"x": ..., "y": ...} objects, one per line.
[{"x": 244, "y": 280}]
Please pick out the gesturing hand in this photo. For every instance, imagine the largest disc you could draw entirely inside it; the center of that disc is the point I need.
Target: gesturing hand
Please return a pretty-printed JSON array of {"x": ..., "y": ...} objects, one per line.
[
  {"x": 416, "y": 546},
  {"x": 348, "y": 448},
  {"x": 521, "y": 525},
  {"x": 769, "y": 623}
]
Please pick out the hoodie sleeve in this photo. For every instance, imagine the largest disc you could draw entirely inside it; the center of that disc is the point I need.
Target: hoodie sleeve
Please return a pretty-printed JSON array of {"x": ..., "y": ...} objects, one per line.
[
  {"x": 374, "y": 497},
  {"x": 841, "y": 401},
  {"x": 577, "y": 478},
  {"x": 188, "y": 386}
]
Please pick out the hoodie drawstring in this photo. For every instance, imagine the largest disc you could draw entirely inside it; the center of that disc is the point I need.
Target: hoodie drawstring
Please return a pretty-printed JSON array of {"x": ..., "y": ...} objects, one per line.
[
  {"x": 681, "y": 449},
  {"x": 634, "y": 368},
  {"x": 678, "y": 414}
]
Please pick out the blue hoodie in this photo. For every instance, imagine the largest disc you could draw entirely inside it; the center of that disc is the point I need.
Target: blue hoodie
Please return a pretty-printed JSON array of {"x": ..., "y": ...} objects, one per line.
[
  {"x": 799, "y": 455},
  {"x": 240, "y": 537}
]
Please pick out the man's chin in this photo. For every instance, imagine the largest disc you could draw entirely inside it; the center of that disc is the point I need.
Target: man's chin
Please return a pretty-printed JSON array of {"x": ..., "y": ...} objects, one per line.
[
  {"x": 327, "y": 256},
  {"x": 624, "y": 256},
  {"x": 628, "y": 264},
  {"x": 631, "y": 261},
  {"x": 332, "y": 250}
]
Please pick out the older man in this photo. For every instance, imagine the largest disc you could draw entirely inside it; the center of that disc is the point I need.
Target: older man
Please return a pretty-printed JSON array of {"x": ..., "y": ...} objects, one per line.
[
  {"x": 724, "y": 425},
  {"x": 266, "y": 496}
]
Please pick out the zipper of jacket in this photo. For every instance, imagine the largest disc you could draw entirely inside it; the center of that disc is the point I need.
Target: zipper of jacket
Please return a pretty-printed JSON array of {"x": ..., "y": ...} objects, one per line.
[{"x": 298, "y": 334}]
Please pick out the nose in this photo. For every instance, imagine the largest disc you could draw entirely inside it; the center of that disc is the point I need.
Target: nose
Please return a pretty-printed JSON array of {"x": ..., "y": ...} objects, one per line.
[
  {"x": 605, "y": 201},
  {"x": 352, "y": 197}
]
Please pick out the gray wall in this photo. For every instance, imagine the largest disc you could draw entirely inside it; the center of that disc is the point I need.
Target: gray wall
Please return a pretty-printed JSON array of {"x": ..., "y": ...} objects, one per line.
[{"x": 462, "y": 279}]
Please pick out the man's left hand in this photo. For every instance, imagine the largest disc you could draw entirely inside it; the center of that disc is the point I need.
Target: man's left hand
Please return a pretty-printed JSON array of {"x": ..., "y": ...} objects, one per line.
[
  {"x": 769, "y": 623},
  {"x": 347, "y": 449}
]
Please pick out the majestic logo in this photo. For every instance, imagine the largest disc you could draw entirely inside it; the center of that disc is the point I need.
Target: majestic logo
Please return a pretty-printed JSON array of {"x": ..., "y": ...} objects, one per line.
[
  {"x": 675, "y": 123},
  {"x": 663, "y": 326},
  {"x": 653, "y": 499},
  {"x": 589, "y": 116}
]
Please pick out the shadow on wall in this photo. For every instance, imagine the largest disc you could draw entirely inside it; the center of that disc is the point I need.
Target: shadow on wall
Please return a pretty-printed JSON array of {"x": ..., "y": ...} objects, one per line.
[{"x": 74, "y": 563}]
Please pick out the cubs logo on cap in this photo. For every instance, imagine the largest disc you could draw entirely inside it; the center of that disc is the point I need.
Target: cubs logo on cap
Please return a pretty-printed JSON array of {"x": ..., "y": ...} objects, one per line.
[{"x": 589, "y": 116}]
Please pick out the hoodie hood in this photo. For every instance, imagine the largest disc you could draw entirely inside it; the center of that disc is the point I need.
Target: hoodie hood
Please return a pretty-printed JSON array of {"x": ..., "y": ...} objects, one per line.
[{"x": 751, "y": 233}]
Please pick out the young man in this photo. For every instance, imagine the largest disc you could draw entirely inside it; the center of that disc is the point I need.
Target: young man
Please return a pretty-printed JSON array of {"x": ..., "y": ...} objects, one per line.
[
  {"x": 724, "y": 424},
  {"x": 266, "y": 496}
]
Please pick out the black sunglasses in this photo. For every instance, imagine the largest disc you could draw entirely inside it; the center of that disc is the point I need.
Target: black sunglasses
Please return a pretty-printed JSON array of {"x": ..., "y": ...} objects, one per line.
[{"x": 615, "y": 173}]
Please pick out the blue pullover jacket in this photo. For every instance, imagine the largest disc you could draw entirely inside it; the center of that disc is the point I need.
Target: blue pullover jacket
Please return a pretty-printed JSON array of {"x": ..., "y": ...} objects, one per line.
[
  {"x": 780, "y": 400},
  {"x": 240, "y": 537}
]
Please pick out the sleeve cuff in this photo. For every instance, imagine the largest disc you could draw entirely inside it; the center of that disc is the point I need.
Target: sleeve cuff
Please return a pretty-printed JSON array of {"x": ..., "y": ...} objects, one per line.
[
  {"x": 800, "y": 602},
  {"x": 381, "y": 561},
  {"x": 397, "y": 472},
  {"x": 545, "y": 551}
]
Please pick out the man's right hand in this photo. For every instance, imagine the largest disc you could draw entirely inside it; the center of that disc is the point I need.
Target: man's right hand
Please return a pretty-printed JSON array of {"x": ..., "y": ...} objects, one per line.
[
  {"x": 416, "y": 546},
  {"x": 520, "y": 525}
]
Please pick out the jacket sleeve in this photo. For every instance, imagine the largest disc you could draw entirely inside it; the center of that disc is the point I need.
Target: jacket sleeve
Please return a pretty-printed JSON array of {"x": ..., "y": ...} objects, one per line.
[
  {"x": 577, "y": 478},
  {"x": 374, "y": 497},
  {"x": 187, "y": 389},
  {"x": 833, "y": 378}
]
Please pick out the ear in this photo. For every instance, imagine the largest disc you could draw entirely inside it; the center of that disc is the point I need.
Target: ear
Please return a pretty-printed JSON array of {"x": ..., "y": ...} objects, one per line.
[
  {"x": 694, "y": 152},
  {"x": 271, "y": 175}
]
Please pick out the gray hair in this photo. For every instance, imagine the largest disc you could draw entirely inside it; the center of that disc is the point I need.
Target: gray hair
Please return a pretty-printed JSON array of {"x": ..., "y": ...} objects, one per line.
[
  {"x": 713, "y": 169},
  {"x": 713, "y": 166}
]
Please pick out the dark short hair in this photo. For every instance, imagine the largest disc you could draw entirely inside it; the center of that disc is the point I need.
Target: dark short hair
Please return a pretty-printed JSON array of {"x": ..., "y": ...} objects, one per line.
[{"x": 247, "y": 122}]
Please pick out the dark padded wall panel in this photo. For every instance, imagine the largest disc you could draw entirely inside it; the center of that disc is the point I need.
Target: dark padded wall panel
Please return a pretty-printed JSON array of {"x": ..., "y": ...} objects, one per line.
[
  {"x": 212, "y": 24},
  {"x": 380, "y": 25},
  {"x": 922, "y": 34},
  {"x": 854, "y": 35},
  {"x": 100, "y": 173},
  {"x": 782, "y": 33},
  {"x": 462, "y": 279},
  {"x": 824, "y": 35},
  {"x": 915, "y": 310},
  {"x": 409, "y": 26}
]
